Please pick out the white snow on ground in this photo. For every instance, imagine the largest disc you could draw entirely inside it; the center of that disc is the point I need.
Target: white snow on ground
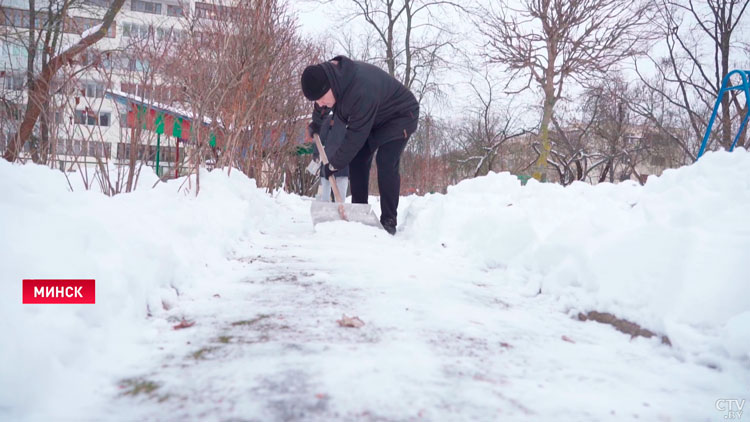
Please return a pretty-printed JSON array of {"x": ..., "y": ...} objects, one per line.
[
  {"x": 455, "y": 327},
  {"x": 672, "y": 255}
]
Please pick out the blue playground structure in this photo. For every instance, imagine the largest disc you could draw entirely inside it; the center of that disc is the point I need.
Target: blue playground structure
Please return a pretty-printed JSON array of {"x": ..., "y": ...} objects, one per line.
[{"x": 725, "y": 87}]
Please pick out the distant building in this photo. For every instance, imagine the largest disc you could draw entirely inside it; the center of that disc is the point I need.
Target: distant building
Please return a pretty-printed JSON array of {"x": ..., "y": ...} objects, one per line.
[
  {"x": 92, "y": 126},
  {"x": 650, "y": 151}
]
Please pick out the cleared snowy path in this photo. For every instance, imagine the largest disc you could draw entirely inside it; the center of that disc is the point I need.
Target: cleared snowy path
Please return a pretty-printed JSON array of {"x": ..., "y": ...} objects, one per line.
[{"x": 442, "y": 341}]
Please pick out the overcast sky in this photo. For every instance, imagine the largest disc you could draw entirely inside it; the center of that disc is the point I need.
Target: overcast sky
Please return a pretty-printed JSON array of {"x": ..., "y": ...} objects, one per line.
[{"x": 323, "y": 20}]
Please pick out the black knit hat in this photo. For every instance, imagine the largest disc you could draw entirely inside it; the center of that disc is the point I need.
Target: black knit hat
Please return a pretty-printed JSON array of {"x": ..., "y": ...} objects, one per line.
[{"x": 315, "y": 82}]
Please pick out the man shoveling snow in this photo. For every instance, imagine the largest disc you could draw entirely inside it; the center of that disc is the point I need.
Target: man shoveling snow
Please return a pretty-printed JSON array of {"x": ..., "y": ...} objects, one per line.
[{"x": 380, "y": 113}]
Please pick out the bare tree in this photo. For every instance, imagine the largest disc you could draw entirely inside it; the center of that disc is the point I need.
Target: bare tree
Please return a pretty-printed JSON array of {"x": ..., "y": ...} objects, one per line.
[
  {"x": 408, "y": 41},
  {"x": 553, "y": 42},
  {"x": 55, "y": 55},
  {"x": 701, "y": 41},
  {"x": 619, "y": 136},
  {"x": 239, "y": 71},
  {"x": 426, "y": 162},
  {"x": 488, "y": 127},
  {"x": 604, "y": 139},
  {"x": 357, "y": 46}
]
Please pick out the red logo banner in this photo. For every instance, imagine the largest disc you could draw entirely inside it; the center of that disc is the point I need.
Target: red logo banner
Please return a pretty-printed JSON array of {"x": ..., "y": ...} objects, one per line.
[{"x": 59, "y": 291}]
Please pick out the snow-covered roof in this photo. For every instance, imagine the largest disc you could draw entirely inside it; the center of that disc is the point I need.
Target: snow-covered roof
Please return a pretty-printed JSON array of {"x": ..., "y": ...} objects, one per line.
[{"x": 123, "y": 97}]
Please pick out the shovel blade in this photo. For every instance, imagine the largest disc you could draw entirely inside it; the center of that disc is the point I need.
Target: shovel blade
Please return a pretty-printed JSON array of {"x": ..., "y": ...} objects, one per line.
[{"x": 329, "y": 211}]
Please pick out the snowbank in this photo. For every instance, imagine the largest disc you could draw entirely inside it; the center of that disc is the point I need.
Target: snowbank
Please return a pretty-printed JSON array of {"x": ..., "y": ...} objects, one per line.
[
  {"x": 141, "y": 248},
  {"x": 671, "y": 255}
]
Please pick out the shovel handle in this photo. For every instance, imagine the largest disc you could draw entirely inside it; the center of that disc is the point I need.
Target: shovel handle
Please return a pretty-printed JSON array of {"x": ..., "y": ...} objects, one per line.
[{"x": 331, "y": 178}]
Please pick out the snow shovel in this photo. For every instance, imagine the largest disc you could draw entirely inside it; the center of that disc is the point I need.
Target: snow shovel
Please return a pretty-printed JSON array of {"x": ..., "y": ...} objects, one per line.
[{"x": 337, "y": 211}]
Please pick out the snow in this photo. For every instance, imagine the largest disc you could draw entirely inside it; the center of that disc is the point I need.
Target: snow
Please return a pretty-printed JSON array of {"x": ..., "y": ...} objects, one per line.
[
  {"x": 455, "y": 327},
  {"x": 176, "y": 110},
  {"x": 671, "y": 255},
  {"x": 91, "y": 30}
]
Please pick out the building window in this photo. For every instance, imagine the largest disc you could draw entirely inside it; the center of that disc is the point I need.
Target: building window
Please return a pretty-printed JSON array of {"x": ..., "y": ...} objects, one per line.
[
  {"x": 99, "y": 149},
  {"x": 124, "y": 120},
  {"x": 13, "y": 111},
  {"x": 89, "y": 148},
  {"x": 10, "y": 16},
  {"x": 12, "y": 50},
  {"x": 92, "y": 57},
  {"x": 128, "y": 88},
  {"x": 137, "y": 65},
  {"x": 123, "y": 150},
  {"x": 61, "y": 148},
  {"x": 88, "y": 117},
  {"x": 79, "y": 24},
  {"x": 169, "y": 154},
  {"x": 94, "y": 89},
  {"x": 77, "y": 147},
  {"x": 83, "y": 117},
  {"x": 658, "y": 161},
  {"x": 134, "y": 30},
  {"x": 632, "y": 139},
  {"x": 88, "y": 58},
  {"x": 55, "y": 117},
  {"x": 146, "y": 152},
  {"x": 212, "y": 11},
  {"x": 20, "y": 51},
  {"x": 168, "y": 34},
  {"x": 158, "y": 93},
  {"x": 145, "y": 7},
  {"x": 100, "y": 3},
  {"x": 13, "y": 81},
  {"x": 174, "y": 10}
]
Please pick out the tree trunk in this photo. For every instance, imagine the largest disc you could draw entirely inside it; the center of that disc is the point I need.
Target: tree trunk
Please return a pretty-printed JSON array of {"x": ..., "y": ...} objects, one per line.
[
  {"x": 540, "y": 168},
  {"x": 135, "y": 134},
  {"x": 40, "y": 153},
  {"x": 407, "y": 47},
  {"x": 605, "y": 171},
  {"x": 726, "y": 118}
]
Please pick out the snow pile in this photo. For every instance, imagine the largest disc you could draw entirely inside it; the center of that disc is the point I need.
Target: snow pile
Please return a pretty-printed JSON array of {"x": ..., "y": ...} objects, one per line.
[
  {"x": 141, "y": 248},
  {"x": 671, "y": 255}
]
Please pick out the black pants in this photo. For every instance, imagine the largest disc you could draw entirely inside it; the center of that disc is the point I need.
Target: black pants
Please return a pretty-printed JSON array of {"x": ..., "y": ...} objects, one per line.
[{"x": 388, "y": 160}]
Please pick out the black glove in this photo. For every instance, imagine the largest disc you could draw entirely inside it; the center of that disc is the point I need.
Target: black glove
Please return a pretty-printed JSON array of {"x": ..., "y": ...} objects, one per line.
[
  {"x": 313, "y": 128},
  {"x": 328, "y": 171}
]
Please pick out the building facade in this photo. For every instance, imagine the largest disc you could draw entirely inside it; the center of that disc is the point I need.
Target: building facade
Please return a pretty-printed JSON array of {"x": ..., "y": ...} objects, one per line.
[{"x": 84, "y": 123}]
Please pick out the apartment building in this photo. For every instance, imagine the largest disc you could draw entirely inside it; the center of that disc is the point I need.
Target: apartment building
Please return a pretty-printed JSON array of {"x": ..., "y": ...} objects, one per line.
[{"x": 87, "y": 124}]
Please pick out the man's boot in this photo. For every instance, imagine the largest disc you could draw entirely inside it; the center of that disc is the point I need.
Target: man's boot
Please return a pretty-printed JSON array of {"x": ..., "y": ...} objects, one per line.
[{"x": 389, "y": 225}]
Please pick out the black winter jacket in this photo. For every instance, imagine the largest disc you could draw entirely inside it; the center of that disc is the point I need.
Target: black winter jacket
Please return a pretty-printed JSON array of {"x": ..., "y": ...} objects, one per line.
[{"x": 371, "y": 102}]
